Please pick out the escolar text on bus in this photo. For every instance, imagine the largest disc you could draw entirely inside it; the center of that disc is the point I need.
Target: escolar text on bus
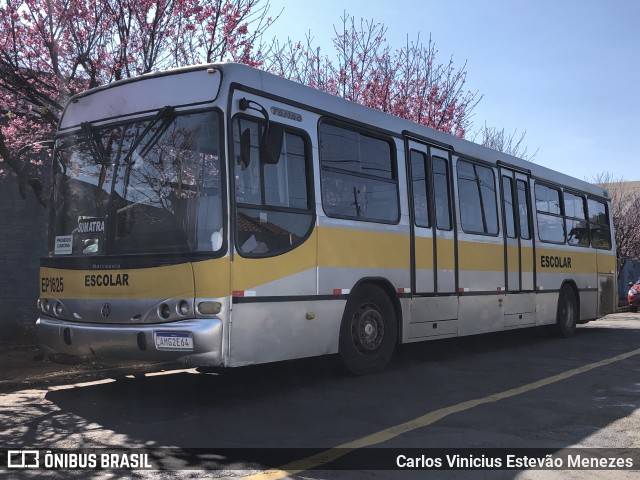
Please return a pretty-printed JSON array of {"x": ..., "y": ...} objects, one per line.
[
  {"x": 550, "y": 261},
  {"x": 107, "y": 280}
]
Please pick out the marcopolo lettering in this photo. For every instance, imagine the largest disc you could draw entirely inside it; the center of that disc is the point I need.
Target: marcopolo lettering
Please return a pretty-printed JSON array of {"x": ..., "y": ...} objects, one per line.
[
  {"x": 107, "y": 280},
  {"x": 550, "y": 261},
  {"x": 286, "y": 114}
]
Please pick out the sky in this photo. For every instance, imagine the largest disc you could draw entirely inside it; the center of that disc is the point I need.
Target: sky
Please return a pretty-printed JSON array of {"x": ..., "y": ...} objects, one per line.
[{"x": 565, "y": 71}]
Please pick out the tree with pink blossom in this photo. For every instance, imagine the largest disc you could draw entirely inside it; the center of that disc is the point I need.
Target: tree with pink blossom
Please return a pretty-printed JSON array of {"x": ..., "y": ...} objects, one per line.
[
  {"x": 53, "y": 49},
  {"x": 407, "y": 82}
]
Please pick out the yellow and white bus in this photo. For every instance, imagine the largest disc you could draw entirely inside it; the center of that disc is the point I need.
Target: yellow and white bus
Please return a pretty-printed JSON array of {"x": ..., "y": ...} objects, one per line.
[{"x": 219, "y": 215}]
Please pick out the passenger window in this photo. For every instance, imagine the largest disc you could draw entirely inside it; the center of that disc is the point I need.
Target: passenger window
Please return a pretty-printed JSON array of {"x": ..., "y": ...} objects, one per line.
[
  {"x": 347, "y": 149},
  {"x": 441, "y": 192},
  {"x": 547, "y": 199},
  {"x": 509, "y": 213},
  {"x": 477, "y": 196},
  {"x": 550, "y": 220},
  {"x": 419, "y": 180},
  {"x": 273, "y": 207},
  {"x": 358, "y": 177},
  {"x": 599, "y": 225},
  {"x": 576, "y": 220},
  {"x": 523, "y": 209}
]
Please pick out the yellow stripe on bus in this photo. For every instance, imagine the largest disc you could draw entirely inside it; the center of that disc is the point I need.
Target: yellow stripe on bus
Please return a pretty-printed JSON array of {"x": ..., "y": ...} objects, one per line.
[
  {"x": 550, "y": 260},
  {"x": 480, "y": 257},
  {"x": 341, "y": 247},
  {"x": 212, "y": 278},
  {"x": 527, "y": 259},
  {"x": 249, "y": 273},
  {"x": 606, "y": 262},
  {"x": 330, "y": 247},
  {"x": 424, "y": 253},
  {"x": 157, "y": 282}
]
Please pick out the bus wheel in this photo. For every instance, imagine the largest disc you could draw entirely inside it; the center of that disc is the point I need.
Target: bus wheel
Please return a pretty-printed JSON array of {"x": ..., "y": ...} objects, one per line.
[
  {"x": 567, "y": 315},
  {"x": 368, "y": 332}
]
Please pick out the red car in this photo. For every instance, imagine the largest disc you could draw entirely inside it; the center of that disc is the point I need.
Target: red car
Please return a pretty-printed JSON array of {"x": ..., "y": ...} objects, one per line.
[{"x": 634, "y": 296}]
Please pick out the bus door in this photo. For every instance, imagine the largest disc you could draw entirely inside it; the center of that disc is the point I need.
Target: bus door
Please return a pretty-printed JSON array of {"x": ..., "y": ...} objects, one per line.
[
  {"x": 433, "y": 242},
  {"x": 519, "y": 264},
  {"x": 273, "y": 268}
]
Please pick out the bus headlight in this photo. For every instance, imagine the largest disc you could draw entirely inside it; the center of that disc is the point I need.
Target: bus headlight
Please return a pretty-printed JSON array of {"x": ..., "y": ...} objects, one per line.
[
  {"x": 183, "y": 308},
  {"x": 44, "y": 305},
  {"x": 164, "y": 311}
]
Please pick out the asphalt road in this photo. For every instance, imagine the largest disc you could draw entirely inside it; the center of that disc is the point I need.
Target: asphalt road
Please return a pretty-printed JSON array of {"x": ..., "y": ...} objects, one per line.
[{"x": 512, "y": 390}]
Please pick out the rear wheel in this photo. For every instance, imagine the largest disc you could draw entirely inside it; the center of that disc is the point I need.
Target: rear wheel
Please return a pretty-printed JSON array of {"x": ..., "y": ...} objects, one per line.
[
  {"x": 368, "y": 332},
  {"x": 567, "y": 314}
]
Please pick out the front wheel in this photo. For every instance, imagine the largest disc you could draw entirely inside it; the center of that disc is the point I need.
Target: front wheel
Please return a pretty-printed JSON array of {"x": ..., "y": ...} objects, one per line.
[
  {"x": 633, "y": 309},
  {"x": 567, "y": 314},
  {"x": 368, "y": 332}
]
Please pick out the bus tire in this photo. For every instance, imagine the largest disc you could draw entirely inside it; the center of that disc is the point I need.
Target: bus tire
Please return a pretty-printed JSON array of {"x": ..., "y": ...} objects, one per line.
[
  {"x": 567, "y": 314},
  {"x": 368, "y": 332}
]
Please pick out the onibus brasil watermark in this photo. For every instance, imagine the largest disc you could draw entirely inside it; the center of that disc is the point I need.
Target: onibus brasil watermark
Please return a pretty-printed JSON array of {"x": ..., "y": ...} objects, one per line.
[{"x": 46, "y": 459}]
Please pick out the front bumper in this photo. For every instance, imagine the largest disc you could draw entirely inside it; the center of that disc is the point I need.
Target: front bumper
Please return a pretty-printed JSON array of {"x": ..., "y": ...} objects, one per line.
[{"x": 136, "y": 342}]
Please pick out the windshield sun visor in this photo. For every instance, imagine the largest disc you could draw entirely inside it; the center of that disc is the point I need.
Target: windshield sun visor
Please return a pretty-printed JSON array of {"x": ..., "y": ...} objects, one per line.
[{"x": 191, "y": 88}]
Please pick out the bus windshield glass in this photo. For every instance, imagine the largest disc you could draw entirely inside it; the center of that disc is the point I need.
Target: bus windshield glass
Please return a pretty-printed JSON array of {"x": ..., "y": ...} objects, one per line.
[{"x": 151, "y": 186}]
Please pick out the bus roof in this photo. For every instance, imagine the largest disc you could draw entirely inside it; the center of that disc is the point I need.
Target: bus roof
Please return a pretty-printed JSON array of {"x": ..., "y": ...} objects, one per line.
[
  {"x": 307, "y": 97},
  {"x": 331, "y": 104}
]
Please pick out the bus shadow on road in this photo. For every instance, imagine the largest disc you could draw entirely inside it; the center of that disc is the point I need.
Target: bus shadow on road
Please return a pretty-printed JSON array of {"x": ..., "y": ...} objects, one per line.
[{"x": 311, "y": 403}]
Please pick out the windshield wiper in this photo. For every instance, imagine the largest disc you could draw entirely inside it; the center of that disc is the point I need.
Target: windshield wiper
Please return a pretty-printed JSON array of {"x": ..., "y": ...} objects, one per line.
[
  {"x": 164, "y": 115},
  {"x": 94, "y": 142},
  {"x": 96, "y": 148}
]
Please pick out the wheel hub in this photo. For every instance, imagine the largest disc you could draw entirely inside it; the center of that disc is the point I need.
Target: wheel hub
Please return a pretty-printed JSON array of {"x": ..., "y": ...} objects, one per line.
[{"x": 367, "y": 329}]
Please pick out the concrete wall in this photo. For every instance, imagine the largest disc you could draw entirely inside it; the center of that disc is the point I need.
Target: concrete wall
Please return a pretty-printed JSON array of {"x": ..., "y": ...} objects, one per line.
[{"x": 22, "y": 243}]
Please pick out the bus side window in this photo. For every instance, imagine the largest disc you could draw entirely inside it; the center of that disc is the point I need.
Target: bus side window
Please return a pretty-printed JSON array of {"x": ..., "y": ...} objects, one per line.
[
  {"x": 359, "y": 179},
  {"x": 599, "y": 225},
  {"x": 508, "y": 207},
  {"x": 576, "y": 220},
  {"x": 441, "y": 193},
  {"x": 522, "y": 189},
  {"x": 477, "y": 197},
  {"x": 420, "y": 196},
  {"x": 549, "y": 215},
  {"x": 273, "y": 207}
]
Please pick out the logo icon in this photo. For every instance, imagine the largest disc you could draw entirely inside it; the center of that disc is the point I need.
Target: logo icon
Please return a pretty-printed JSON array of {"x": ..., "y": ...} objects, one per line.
[
  {"x": 105, "y": 310},
  {"x": 23, "y": 459}
]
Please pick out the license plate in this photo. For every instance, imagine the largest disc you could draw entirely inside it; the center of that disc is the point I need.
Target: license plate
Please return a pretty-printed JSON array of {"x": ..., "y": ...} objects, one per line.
[{"x": 174, "y": 341}]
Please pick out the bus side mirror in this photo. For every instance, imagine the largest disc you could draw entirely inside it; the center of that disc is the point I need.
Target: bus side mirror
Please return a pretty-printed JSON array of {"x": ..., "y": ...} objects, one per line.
[
  {"x": 272, "y": 134},
  {"x": 245, "y": 149},
  {"x": 272, "y": 144}
]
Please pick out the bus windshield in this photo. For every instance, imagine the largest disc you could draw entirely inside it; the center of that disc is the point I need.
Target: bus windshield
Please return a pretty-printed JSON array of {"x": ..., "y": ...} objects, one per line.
[{"x": 151, "y": 186}]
